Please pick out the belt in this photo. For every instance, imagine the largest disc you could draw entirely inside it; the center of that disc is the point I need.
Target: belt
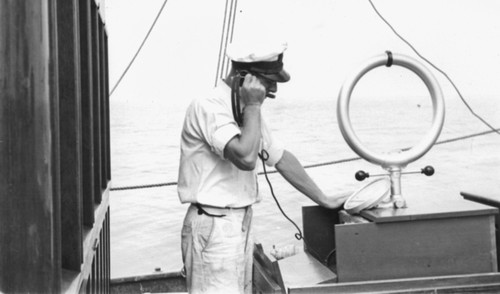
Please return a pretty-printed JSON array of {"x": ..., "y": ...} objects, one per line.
[{"x": 216, "y": 211}]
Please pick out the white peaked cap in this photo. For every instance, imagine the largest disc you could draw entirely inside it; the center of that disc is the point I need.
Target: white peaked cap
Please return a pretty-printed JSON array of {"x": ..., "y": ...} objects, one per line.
[{"x": 261, "y": 57}]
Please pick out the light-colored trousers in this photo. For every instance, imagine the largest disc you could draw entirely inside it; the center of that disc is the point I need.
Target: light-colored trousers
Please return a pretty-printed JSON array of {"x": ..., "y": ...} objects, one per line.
[{"x": 218, "y": 252}]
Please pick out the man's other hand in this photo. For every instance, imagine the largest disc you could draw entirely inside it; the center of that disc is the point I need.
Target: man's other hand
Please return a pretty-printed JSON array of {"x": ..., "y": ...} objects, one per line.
[{"x": 337, "y": 200}]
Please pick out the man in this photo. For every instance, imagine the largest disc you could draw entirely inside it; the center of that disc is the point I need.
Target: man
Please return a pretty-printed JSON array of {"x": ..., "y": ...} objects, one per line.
[{"x": 217, "y": 173}]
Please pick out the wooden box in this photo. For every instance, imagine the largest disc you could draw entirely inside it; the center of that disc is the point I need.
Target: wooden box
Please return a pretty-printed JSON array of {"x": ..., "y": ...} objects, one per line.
[{"x": 429, "y": 238}]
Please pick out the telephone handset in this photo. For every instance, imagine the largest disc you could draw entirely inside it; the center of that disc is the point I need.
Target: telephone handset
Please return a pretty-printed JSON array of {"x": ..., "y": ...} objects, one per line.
[{"x": 235, "y": 96}]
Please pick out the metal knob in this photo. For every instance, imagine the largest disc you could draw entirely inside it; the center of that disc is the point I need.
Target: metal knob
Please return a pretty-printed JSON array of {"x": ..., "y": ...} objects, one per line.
[{"x": 361, "y": 175}]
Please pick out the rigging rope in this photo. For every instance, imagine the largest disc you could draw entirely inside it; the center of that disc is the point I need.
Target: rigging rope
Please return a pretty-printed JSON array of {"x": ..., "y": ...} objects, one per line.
[
  {"x": 230, "y": 24},
  {"x": 221, "y": 45},
  {"x": 226, "y": 36},
  {"x": 312, "y": 165},
  {"x": 436, "y": 68},
  {"x": 231, "y": 33},
  {"x": 140, "y": 48}
]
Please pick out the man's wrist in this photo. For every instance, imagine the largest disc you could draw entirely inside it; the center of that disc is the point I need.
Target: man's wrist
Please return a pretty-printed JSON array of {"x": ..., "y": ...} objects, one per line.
[{"x": 253, "y": 105}]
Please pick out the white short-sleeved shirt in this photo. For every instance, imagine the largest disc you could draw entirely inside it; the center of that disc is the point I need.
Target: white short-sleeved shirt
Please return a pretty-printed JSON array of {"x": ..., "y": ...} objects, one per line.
[{"x": 205, "y": 176}]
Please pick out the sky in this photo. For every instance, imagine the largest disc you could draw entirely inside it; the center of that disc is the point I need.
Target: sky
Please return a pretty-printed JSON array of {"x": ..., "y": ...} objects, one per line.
[{"x": 328, "y": 40}]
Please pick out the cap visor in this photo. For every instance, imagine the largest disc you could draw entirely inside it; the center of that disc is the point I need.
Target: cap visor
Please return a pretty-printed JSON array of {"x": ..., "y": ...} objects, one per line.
[{"x": 281, "y": 77}]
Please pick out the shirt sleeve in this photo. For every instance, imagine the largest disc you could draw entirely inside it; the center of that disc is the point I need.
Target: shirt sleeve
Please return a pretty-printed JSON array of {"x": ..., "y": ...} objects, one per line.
[
  {"x": 222, "y": 136},
  {"x": 218, "y": 125},
  {"x": 273, "y": 147}
]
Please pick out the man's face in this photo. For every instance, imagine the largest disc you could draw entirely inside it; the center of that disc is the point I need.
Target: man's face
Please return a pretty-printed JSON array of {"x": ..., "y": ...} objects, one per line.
[{"x": 270, "y": 85}]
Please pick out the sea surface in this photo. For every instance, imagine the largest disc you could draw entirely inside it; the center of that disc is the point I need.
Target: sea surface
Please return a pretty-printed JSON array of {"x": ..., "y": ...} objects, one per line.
[{"x": 145, "y": 133}]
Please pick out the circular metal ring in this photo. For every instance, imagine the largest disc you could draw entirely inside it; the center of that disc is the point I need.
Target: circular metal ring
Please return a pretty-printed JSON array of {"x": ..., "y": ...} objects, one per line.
[{"x": 417, "y": 151}]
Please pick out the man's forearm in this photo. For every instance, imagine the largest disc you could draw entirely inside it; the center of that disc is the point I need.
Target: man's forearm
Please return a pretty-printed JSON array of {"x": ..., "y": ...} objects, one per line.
[
  {"x": 291, "y": 169},
  {"x": 242, "y": 150},
  {"x": 250, "y": 131}
]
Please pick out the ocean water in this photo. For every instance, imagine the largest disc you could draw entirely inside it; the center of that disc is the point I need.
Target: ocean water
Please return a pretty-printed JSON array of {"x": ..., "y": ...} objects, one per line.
[{"x": 146, "y": 223}]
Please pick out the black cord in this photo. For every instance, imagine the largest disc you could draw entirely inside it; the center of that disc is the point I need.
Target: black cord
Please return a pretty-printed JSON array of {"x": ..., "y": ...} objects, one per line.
[
  {"x": 327, "y": 259},
  {"x": 235, "y": 100},
  {"x": 264, "y": 156}
]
